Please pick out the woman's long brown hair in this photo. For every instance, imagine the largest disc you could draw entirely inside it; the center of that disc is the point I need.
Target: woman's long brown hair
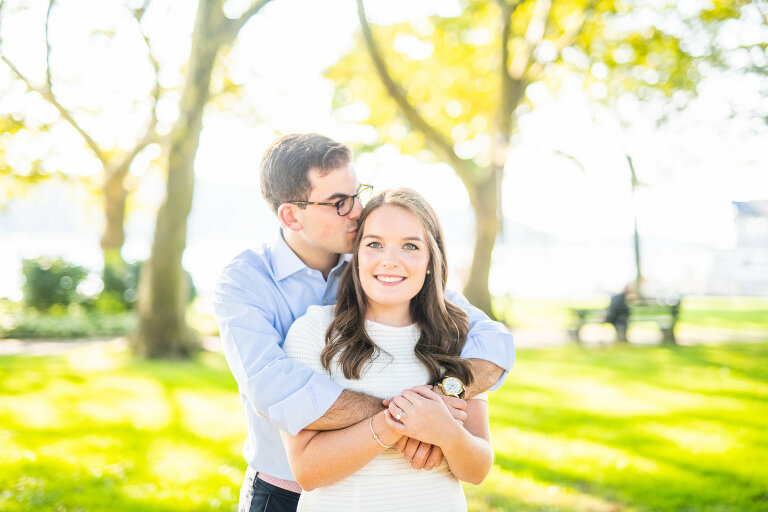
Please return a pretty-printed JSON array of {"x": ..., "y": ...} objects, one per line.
[{"x": 444, "y": 326}]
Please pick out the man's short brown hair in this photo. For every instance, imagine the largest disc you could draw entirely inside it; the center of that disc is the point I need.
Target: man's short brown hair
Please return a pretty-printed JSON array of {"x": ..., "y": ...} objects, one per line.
[{"x": 286, "y": 164}]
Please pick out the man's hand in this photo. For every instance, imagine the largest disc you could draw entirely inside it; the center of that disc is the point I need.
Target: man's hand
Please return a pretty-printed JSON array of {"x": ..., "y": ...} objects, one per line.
[
  {"x": 420, "y": 455},
  {"x": 424, "y": 455},
  {"x": 455, "y": 405}
]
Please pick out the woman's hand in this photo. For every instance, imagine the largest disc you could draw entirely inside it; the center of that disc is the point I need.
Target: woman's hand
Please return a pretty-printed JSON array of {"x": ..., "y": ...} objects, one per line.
[{"x": 420, "y": 413}]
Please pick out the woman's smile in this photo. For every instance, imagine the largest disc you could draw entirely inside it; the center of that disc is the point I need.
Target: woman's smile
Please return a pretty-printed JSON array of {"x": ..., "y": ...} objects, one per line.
[{"x": 388, "y": 280}]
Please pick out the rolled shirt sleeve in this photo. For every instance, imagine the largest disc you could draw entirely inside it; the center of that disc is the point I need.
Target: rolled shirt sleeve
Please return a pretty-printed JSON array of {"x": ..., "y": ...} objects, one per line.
[
  {"x": 285, "y": 391},
  {"x": 487, "y": 339}
]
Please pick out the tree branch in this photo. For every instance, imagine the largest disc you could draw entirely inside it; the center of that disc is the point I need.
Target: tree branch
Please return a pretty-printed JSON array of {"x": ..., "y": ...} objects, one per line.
[
  {"x": 138, "y": 13},
  {"x": 48, "y": 80},
  {"x": 150, "y": 135},
  {"x": 573, "y": 28},
  {"x": 763, "y": 11},
  {"x": 47, "y": 95},
  {"x": 441, "y": 145},
  {"x": 1, "y": 18},
  {"x": 570, "y": 157},
  {"x": 507, "y": 82},
  {"x": 512, "y": 6},
  {"x": 512, "y": 88},
  {"x": 232, "y": 27},
  {"x": 533, "y": 37}
]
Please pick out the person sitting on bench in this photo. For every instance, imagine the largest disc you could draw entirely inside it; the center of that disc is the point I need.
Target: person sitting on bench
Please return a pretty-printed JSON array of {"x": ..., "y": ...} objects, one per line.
[{"x": 617, "y": 313}]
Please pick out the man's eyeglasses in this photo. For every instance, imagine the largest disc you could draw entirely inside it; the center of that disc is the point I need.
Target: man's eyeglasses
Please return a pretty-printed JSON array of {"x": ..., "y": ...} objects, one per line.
[{"x": 345, "y": 204}]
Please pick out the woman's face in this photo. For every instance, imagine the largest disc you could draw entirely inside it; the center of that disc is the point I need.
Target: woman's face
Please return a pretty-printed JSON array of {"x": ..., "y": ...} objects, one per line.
[{"x": 393, "y": 257}]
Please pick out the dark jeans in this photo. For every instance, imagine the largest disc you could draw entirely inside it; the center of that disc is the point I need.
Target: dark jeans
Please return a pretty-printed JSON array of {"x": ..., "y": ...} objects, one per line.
[{"x": 265, "y": 497}]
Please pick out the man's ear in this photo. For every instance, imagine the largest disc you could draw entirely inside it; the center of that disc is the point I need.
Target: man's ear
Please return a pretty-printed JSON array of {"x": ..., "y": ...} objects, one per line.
[{"x": 289, "y": 216}]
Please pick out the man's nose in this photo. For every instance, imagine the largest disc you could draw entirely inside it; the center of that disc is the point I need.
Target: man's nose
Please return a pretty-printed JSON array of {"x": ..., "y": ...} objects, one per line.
[{"x": 357, "y": 209}]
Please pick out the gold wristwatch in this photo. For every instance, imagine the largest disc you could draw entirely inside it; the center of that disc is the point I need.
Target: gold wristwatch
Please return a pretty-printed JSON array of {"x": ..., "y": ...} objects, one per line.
[{"x": 452, "y": 386}]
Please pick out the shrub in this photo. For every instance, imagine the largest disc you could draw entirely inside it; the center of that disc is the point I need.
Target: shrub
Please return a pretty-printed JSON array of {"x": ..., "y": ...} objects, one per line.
[
  {"x": 76, "y": 323},
  {"x": 121, "y": 281},
  {"x": 49, "y": 282},
  {"x": 51, "y": 285}
]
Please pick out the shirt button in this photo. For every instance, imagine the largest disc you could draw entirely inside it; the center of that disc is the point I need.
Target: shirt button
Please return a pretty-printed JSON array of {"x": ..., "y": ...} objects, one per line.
[{"x": 325, "y": 302}]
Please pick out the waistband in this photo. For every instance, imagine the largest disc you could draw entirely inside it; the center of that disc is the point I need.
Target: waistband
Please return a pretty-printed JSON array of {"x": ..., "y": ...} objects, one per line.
[{"x": 288, "y": 485}]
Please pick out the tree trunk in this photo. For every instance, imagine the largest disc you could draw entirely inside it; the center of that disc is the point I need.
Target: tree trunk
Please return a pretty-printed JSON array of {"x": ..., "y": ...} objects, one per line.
[
  {"x": 162, "y": 331},
  {"x": 638, "y": 268},
  {"x": 115, "y": 196},
  {"x": 484, "y": 196}
]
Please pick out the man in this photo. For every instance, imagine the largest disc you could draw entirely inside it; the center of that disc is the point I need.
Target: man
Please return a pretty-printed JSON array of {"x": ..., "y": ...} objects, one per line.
[{"x": 309, "y": 182}]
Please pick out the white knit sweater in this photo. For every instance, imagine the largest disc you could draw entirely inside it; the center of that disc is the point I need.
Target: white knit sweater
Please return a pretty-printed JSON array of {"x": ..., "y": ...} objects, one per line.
[{"x": 387, "y": 482}]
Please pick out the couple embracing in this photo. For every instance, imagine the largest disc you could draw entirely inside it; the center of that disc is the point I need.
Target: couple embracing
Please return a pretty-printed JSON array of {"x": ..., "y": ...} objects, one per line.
[{"x": 362, "y": 378}]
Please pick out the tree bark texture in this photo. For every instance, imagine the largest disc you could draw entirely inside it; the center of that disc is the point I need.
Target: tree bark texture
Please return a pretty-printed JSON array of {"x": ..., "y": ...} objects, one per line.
[
  {"x": 483, "y": 195},
  {"x": 162, "y": 331},
  {"x": 115, "y": 196}
]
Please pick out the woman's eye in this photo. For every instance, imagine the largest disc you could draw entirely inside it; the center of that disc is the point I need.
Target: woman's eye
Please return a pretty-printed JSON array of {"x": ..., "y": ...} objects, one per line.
[
  {"x": 374, "y": 245},
  {"x": 410, "y": 247}
]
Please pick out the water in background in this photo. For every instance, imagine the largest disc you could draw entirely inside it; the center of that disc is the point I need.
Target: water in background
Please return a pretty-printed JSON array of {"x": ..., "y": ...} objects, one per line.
[{"x": 57, "y": 220}]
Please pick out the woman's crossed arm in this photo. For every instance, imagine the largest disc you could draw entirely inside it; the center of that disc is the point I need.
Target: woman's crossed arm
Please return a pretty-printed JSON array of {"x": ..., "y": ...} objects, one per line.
[
  {"x": 321, "y": 458},
  {"x": 425, "y": 417}
]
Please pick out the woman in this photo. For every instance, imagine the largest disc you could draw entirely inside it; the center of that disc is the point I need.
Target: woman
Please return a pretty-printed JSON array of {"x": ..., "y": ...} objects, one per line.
[{"x": 391, "y": 331}]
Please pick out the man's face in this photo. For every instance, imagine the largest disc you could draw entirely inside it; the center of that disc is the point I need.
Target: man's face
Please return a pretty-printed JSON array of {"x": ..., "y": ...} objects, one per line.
[{"x": 322, "y": 227}]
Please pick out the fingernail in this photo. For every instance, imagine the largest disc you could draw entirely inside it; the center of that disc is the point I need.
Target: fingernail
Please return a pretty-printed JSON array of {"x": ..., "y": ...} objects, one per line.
[{"x": 428, "y": 468}]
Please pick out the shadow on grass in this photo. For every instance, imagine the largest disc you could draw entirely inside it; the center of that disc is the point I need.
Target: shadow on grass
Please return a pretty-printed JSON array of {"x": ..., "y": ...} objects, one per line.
[
  {"x": 78, "y": 459},
  {"x": 48, "y": 485},
  {"x": 678, "y": 486},
  {"x": 701, "y": 448}
]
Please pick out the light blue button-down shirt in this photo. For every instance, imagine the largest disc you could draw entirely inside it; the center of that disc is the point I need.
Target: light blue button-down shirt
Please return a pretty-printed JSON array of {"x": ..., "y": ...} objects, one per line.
[{"x": 257, "y": 298}]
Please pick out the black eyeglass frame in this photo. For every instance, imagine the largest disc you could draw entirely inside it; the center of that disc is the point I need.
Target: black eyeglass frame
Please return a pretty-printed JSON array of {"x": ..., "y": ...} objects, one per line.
[{"x": 363, "y": 187}]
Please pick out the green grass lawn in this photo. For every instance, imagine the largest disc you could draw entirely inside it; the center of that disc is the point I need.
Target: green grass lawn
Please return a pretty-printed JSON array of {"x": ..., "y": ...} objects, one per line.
[{"x": 610, "y": 429}]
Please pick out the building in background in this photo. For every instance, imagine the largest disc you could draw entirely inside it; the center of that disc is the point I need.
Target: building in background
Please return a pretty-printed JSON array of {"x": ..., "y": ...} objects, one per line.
[{"x": 744, "y": 270}]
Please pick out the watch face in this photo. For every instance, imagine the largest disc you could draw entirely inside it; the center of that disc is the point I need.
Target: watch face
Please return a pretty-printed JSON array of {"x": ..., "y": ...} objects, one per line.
[{"x": 452, "y": 385}]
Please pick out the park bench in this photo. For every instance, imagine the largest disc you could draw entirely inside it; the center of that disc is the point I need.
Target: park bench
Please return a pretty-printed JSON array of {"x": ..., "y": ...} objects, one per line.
[{"x": 663, "y": 313}]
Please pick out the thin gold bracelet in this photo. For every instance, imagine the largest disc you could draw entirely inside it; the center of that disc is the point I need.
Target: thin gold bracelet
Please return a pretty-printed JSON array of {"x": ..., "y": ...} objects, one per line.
[{"x": 373, "y": 432}]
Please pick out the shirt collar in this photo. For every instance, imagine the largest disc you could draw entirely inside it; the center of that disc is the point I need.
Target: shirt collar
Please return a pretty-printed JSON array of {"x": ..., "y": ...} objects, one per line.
[
  {"x": 343, "y": 260},
  {"x": 285, "y": 262}
]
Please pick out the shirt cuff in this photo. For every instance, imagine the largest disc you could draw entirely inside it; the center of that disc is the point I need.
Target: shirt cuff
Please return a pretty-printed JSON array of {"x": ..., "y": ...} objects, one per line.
[
  {"x": 475, "y": 349},
  {"x": 294, "y": 413}
]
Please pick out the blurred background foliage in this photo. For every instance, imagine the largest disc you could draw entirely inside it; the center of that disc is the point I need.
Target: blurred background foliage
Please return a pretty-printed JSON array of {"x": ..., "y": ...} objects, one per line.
[
  {"x": 51, "y": 282},
  {"x": 62, "y": 300},
  {"x": 449, "y": 87},
  {"x": 453, "y": 87}
]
